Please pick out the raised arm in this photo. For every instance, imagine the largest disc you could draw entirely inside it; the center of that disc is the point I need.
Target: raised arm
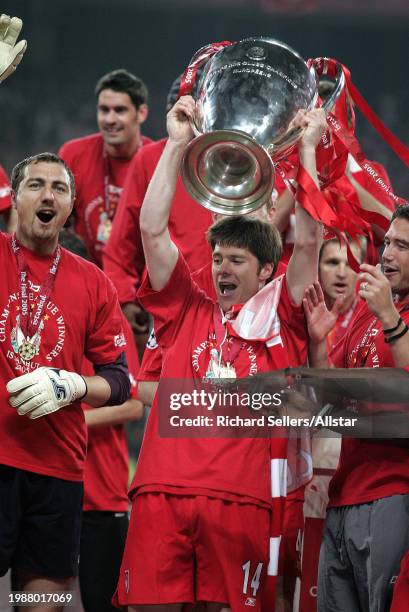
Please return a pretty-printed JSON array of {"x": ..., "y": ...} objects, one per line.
[
  {"x": 302, "y": 269},
  {"x": 11, "y": 53},
  {"x": 161, "y": 253}
]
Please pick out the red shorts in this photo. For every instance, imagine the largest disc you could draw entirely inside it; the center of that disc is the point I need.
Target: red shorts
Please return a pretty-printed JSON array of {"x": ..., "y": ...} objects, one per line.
[
  {"x": 183, "y": 549},
  {"x": 401, "y": 590}
]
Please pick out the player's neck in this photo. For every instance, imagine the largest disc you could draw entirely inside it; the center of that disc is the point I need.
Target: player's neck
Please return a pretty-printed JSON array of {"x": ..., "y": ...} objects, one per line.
[
  {"x": 125, "y": 150},
  {"x": 38, "y": 246}
]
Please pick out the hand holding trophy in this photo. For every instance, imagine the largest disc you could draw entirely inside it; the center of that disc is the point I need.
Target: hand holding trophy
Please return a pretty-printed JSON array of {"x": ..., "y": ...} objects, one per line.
[{"x": 11, "y": 53}]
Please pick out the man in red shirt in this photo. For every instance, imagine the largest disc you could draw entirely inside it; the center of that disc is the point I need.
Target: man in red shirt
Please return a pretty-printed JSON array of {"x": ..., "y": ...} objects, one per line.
[
  {"x": 54, "y": 309},
  {"x": 209, "y": 480},
  {"x": 100, "y": 161},
  {"x": 367, "y": 527}
]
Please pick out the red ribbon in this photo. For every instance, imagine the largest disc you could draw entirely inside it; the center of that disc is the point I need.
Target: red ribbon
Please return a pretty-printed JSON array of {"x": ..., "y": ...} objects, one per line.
[{"x": 201, "y": 56}]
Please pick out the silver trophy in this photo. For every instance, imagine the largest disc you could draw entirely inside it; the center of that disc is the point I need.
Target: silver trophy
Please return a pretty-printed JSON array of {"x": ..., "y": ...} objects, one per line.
[{"x": 247, "y": 97}]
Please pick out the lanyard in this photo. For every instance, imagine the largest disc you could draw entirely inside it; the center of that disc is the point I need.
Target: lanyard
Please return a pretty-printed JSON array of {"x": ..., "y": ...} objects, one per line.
[
  {"x": 229, "y": 346},
  {"x": 29, "y": 324}
]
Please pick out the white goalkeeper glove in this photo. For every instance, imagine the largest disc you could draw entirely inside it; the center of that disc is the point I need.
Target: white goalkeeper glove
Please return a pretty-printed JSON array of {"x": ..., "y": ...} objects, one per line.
[
  {"x": 11, "y": 53},
  {"x": 44, "y": 391}
]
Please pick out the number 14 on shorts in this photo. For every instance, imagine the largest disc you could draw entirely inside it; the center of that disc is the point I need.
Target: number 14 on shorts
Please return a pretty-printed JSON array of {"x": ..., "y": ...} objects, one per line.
[{"x": 255, "y": 577}]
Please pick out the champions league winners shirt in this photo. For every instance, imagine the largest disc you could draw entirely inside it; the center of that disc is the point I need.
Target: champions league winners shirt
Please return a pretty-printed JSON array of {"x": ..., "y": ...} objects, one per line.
[
  {"x": 81, "y": 317},
  {"x": 227, "y": 468}
]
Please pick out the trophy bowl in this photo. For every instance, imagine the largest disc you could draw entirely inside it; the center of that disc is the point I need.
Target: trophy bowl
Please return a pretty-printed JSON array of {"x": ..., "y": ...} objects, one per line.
[{"x": 247, "y": 98}]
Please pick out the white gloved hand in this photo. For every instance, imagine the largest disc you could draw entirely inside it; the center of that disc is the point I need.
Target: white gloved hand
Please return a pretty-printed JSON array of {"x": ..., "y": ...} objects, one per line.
[
  {"x": 10, "y": 53},
  {"x": 44, "y": 391}
]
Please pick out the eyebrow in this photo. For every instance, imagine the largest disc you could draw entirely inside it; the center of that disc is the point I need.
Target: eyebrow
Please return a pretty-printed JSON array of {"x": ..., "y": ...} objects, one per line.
[
  {"x": 117, "y": 107},
  {"x": 400, "y": 240},
  {"x": 43, "y": 181}
]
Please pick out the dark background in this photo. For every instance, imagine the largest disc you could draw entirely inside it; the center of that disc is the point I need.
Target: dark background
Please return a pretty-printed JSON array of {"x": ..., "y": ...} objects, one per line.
[{"x": 71, "y": 44}]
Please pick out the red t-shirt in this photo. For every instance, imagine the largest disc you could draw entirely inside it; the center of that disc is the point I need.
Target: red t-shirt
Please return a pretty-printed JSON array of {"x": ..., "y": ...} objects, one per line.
[
  {"x": 151, "y": 365},
  {"x": 123, "y": 257},
  {"x": 81, "y": 317},
  {"x": 342, "y": 325},
  {"x": 185, "y": 330},
  {"x": 5, "y": 197},
  {"x": 367, "y": 469},
  {"x": 107, "y": 464},
  {"x": 91, "y": 168}
]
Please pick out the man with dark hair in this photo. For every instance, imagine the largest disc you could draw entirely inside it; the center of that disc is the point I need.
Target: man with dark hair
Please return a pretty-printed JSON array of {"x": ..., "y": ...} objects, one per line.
[
  {"x": 211, "y": 481},
  {"x": 261, "y": 239},
  {"x": 100, "y": 161},
  {"x": 123, "y": 81},
  {"x": 55, "y": 308},
  {"x": 367, "y": 527}
]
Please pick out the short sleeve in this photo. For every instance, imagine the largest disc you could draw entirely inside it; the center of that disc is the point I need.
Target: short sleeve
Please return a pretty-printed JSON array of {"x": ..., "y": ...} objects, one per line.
[
  {"x": 169, "y": 306},
  {"x": 105, "y": 340}
]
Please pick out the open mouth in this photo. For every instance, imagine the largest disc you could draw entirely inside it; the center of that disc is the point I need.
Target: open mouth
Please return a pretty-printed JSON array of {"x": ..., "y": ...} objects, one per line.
[
  {"x": 389, "y": 269},
  {"x": 45, "y": 216},
  {"x": 340, "y": 286},
  {"x": 227, "y": 289}
]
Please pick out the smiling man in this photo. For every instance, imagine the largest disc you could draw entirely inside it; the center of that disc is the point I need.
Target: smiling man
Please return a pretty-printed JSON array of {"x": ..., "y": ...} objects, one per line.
[
  {"x": 55, "y": 308},
  {"x": 212, "y": 539},
  {"x": 100, "y": 161}
]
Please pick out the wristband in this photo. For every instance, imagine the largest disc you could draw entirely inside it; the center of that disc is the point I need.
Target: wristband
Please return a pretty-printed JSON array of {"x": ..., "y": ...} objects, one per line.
[
  {"x": 392, "y": 329},
  {"x": 393, "y": 338}
]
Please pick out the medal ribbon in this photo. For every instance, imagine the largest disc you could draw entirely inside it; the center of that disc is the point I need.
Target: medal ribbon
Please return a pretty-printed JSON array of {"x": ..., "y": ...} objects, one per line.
[
  {"x": 30, "y": 324},
  {"x": 229, "y": 346}
]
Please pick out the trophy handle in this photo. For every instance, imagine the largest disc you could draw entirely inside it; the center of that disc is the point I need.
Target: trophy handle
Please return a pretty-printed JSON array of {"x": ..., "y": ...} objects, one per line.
[
  {"x": 200, "y": 58},
  {"x": 320, "y": 65},
  {"x": 281, "y": 147}
]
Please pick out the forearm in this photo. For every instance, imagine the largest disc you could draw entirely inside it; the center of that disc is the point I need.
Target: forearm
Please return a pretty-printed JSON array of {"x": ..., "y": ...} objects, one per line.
[
  {"x": 98, "y": 391},
  {"x": 146, "y": 391},
  {"x": 161, "y": 253},
  {"x": 371, "y": 204},
  {"x": 303, "y": 266},
  {"x": 131, "y": 410},
  {"x": 156, "y": 206},
  {"x": 318, "y": 355},
  {"x": 399, "y": 347}
]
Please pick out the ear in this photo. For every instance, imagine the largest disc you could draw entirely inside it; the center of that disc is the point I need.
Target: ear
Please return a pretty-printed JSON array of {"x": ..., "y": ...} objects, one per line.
[
  {"x": 266, "y": 271},
  {"x": 143, "y": 112},
  {"x": 13, "y": 199}
]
